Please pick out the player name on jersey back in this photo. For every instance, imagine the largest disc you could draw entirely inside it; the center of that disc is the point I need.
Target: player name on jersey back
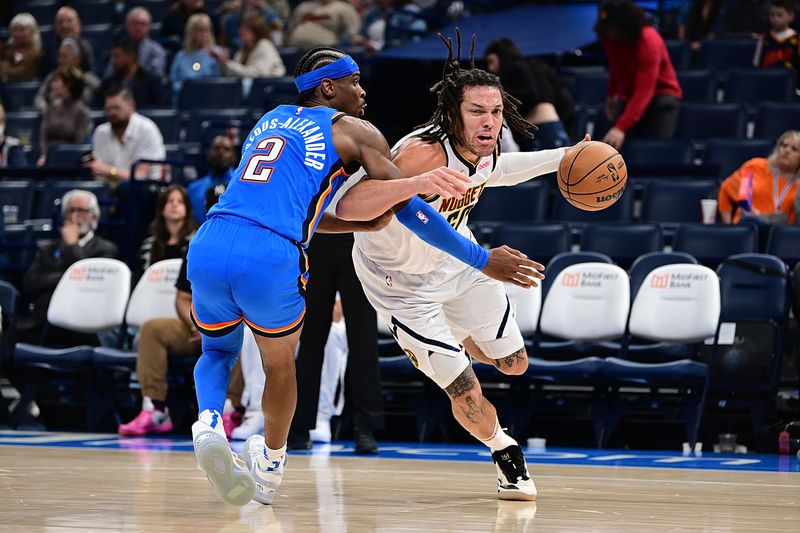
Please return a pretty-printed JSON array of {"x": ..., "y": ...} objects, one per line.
[{"x": 313, "y": 137}]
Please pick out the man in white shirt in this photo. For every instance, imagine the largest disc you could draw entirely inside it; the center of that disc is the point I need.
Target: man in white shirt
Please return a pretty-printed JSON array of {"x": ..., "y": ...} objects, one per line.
[{"x": 126, "y": 137}]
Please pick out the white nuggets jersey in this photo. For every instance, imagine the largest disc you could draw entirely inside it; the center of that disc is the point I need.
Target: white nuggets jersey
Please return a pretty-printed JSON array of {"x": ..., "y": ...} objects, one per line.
[{"x": 396, "y": 248}]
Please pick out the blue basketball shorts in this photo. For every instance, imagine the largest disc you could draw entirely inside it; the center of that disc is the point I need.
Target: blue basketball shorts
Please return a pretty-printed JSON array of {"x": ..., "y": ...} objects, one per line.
[{"x": 243, "y": 272}]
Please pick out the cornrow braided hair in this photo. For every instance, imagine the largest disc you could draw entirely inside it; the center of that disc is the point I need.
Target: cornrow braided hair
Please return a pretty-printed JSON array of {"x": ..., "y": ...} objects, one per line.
[
  {"x": 315, "y": 58},
  {"x": 446, "y": 119}
]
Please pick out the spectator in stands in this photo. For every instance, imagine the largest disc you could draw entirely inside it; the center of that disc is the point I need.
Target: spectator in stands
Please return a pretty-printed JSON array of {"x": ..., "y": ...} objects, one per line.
[
  {"x": 147, "y": 90},
  {"x": 67, "y": 119},
  {"x": 643, "y": 91},
  {"x": 69, "y": 55},
  {"x": 67, "y": 23},
  {"x": 195, "y": 59},
  {"x": 238, "y": 10},
  {"x": 21, "y": 55},
  {"x": 170, "y": 231},
  {"x": 257, "y": 58},
  {"x": 152, "y": 57},
  {"x": 764, "y": 189},
  {"x": 176, "y": 21},
  {"x": 80, "y": 212},
  {"x": 389, "y": 23},
  {"x": 780, "y": 47},
  {"x": 125, "y": 138},
  {"x": 323, "y": 22},
  {"x": 11, "y": 154},
  {"x": 702, "y": 22},
  {"x": 529, "y": 83},
  {"x": 221, "y": 159}
]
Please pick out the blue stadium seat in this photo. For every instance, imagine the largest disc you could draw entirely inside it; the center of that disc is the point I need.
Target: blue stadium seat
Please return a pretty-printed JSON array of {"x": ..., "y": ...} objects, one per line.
[
  {"x": 755, "y": 297},
  {"x": 619, "y": 211},
  {"x": 24, "y": 125},
  {"x": 773, "y": 118},
  {"x": 654, "y": 152},
  {"x": 526, "y": 202},
  {"x": 95, "y": 12},
  {"x": 204, "y": 124},
  {"x": 211, "y": 93},
  {"x": 590, "y": 88},
  {"x": 680, "y": 53},
  {"x": 697, "y": 85},
  {"x": 168, "y": 122},
  {"x": 704, "y": 121},
  {"x": 101, "y": 37},
  {"x": 44, "y": 11},
  {"x": 753, "y": 86},
  {"x": 266, "y": 93},
  {"x": 540, "y": 242},
  {"x": 784, "y": 242},
  {"x": 9, "y": 296},
  {"x": 712, "y": 244},
  {"x": 17, "y": 249},
  {"x": 18, "y": 96},
  {"x": 16, "y": 199},
  {"x": 729, "y": 154},
  {"x": 67, "y": 155},
  {"x": 48, "y": 204},
  {"x": 624, "y": 243},
  {"x": 722, "y": 55},
  {"x": 291, "y": 56},
  {"x": 675, "y": 201}
]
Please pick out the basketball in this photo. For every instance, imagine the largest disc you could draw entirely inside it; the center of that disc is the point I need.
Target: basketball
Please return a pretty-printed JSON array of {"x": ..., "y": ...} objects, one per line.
[{"x": 592, "y": 176}]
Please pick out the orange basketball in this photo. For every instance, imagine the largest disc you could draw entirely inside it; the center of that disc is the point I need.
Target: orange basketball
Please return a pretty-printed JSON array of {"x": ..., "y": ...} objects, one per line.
[{"x": 592, "y": 176}]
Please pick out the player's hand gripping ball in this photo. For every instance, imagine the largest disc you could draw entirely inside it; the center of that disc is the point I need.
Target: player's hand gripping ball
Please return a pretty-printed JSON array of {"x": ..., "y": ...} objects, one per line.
[{"x": 592, "y": 176}]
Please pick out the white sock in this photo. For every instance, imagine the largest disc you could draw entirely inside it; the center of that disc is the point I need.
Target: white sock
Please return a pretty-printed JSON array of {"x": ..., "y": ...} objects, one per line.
[
  {"x": 276, "y": 455},
  {"x": 500, "y": 440}
]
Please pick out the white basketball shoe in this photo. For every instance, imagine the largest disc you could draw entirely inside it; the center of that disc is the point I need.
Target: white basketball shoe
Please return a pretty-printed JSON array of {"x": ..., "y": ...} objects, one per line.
[
  {"x": 513, "y": 480},
  {"x": 226, "y": 472},
  {"x": 267, "y": 472}
]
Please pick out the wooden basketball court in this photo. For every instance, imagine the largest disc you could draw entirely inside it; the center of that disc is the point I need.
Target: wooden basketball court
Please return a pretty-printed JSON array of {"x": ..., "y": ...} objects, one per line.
[{"x": 64, "y": 488}]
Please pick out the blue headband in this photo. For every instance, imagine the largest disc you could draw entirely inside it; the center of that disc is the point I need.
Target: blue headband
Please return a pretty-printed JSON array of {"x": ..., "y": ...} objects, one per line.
[{"x": 340, "y": 68}]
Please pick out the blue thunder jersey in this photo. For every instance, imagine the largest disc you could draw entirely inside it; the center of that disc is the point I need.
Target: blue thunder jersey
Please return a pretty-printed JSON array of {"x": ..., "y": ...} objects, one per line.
[{"x": 288, "y": 174}]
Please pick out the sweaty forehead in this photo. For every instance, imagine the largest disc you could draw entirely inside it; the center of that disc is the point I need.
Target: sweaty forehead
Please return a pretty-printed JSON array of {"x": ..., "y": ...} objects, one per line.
[{"x": 484, "y": 96}]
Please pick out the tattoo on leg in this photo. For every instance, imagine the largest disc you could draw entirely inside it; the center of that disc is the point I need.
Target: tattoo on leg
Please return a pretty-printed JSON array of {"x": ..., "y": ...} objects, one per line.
[
  {"x": 462, "y": 384},
  {"x": 472, "y": 411},
  {"x": 509, "y": 361}
]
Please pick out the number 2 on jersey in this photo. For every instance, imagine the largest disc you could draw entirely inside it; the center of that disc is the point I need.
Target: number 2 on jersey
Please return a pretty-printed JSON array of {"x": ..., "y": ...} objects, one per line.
[{"x": 259, "y": 167}]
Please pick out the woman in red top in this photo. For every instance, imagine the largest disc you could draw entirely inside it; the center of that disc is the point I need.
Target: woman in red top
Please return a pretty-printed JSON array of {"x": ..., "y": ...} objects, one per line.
[{"x": 643, "y": 92}]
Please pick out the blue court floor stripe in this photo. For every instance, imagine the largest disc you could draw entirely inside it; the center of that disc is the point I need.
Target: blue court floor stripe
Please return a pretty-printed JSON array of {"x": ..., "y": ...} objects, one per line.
[{"x": 437, "y": 452}]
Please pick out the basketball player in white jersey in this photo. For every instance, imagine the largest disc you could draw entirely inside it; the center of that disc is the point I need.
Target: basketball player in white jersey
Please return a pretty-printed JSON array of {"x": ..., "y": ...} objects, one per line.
[{"x": 436, "y": 306}]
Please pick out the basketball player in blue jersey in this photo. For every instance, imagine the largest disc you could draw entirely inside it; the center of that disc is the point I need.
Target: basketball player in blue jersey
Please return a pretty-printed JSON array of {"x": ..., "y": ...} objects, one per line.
[{"x": 248, "y": 266}]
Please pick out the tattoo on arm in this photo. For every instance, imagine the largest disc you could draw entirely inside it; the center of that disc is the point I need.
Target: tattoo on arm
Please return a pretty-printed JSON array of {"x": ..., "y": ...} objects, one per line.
[{"x": 519, "y": 355}]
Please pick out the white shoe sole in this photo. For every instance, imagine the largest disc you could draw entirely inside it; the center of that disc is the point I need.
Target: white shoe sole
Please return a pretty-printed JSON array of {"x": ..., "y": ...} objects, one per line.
[
  {"x": 214, "y": 457},
  {"x": 515, "y": 495}
]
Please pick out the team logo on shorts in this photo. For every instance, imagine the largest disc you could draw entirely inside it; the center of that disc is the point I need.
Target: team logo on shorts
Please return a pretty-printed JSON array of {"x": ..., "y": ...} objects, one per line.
[
  {"x": 389, "y": 280},
  {"x": 412, "y": 357}
]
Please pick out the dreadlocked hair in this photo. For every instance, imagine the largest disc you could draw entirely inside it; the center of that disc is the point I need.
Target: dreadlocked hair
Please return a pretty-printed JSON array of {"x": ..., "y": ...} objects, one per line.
[
  {"x": 317, "y": 57},
  {"x": 446, "y": 119}
]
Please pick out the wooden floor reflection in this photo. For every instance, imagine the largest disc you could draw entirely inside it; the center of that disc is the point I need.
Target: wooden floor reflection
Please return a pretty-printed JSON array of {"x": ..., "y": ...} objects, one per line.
[{"x": 52, "y": 489}]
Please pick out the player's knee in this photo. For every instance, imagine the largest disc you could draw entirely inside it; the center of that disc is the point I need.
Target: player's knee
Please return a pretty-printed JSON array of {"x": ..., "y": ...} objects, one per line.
[
  {"x": 276, "y": 365},
  {"x": 515, "y": 364}
]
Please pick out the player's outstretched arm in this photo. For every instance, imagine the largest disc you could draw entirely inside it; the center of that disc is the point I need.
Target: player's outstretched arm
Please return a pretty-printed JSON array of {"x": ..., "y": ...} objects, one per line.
[
  {"x": 517, "y": 167},
  {"x": 358, "y": 140}
]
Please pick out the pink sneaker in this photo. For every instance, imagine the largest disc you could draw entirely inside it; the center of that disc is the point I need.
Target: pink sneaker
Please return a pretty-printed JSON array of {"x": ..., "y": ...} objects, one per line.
[
  {"x": 147, "y": 421},
  {"x": 231, "y": 421}
]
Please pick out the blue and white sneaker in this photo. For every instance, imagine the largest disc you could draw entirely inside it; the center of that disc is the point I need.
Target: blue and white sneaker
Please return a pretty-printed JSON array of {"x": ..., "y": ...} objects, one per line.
[
  {"x": 224, "y": 469},
  {"x": 267, "y": 472}
]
